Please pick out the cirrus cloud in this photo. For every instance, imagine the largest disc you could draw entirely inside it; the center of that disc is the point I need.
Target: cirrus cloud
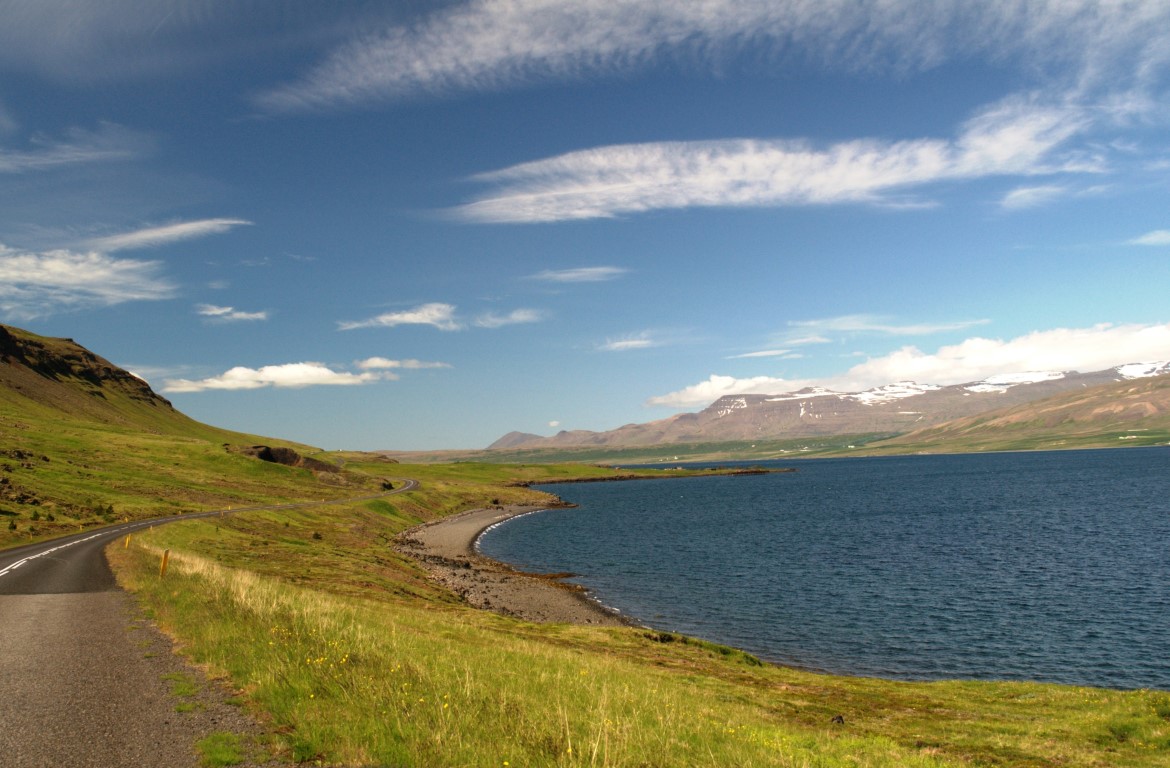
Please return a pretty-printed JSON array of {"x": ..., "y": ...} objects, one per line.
[
  {"x": 642, "y": 340},
  {"x": 228, "y": 314},
  {"x": 38, "y": 284},
  {"x": 80, "y": 146},
  {"x": 580, "y": 275},
  {"x": 382, "y": 363},
  {"x": 437, "y": 314},
  {"x": 151, "y": 237},
  {"x": 515, "y": 317},
  {"x": 1157, "y": 237},
  {"x": 492, "y": 45},
  {"x": 1018, "y": 136}
]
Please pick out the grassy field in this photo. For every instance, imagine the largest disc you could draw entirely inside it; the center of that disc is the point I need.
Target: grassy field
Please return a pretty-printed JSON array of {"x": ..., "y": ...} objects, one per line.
[{"x": 358, "y": 660}]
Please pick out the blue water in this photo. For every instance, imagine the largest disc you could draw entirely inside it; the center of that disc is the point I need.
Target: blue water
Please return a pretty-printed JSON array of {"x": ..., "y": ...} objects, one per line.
[{"x": 1047, "y": 566}]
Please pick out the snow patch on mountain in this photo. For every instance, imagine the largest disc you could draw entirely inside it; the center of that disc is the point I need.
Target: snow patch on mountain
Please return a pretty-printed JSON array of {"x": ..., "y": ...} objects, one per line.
[
  {"x": 805, "y": 394},
  {"x": 730, "y": 405},
  {"x": 891, "y": 392},
  {"x": 1004, "y": 381},
  {"x": 1142, "y": 370}
]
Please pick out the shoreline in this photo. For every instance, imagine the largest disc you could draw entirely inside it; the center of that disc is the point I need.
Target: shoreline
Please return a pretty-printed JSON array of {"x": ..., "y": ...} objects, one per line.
[{"x": 446, "y": 548}]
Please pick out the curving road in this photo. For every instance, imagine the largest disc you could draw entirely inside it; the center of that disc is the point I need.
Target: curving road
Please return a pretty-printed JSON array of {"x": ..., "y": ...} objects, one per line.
[{"x": 81, "y": 674}]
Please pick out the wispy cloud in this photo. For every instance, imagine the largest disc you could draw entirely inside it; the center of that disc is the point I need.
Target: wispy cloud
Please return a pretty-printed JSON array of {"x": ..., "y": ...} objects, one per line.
[
  {"x": 762, "y": 353},
  {"x": 383, "y": 363},
  {"x": 228, "y": 314},
  {"x": 151, "y": 237},
  {"x": 1014, "y": 137},
  {"x": 109, "y": 142},
  {"x": 1157, "y": 237},
  {"x": 437, "y": 314},
  {"x": 1062, "y": 349},
  {"x": 38, "y": 284},
  {"x": 580, "y": 275},
  {"x": 643, "y": 340},
  {"x": 488, "y": 45},
  {"x": 8, "y": 124},
  {"x": 143, "y": 39},
  {"x": 875, "y": 324},
  {"x": 1033, "y": 197},
  {"x": 515, "y": 317},
  {"x": 288, "y": 375}
]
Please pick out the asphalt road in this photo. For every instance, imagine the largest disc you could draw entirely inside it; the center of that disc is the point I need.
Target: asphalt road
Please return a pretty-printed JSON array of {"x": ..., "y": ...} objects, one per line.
[{"x": 82, "y": 673}]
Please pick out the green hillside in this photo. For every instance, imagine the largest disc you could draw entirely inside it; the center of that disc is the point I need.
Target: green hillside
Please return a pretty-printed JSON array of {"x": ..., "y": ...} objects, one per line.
[{"x": 84, "y": 443}]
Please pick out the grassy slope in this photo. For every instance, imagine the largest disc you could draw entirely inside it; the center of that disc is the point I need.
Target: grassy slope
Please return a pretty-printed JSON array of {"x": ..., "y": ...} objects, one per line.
[{"x": 82, "y": 443}]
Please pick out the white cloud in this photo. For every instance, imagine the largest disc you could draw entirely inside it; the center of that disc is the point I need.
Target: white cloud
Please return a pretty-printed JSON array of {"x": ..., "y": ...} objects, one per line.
[
  {"x": 554, "y": 424},
  {"x": 1062, "y": 349},
  {"x": 79, "y": 146},
  {"x": 490, "y": 45},
  {"x": 762, "y": 353},
  {"x": 872, "y": 324},
  {"x": 382, "y": 363},
  {"x": 805, "y": 340},
  {"x": 515, "y": 317},
  {"x": 441, "y": 316},
  {"x": 228, "y": 314},
  {"x": 1157, "y": 237},
  {"x": 1031, "y": 197},
  {"x": 38, "y": 284},
  {"x": 1014, "y": 137},
  {"x": 580, "y": 275},
  {"x": 715, "y": 387},
  {"x": 155, "y": 236},
  {"x": 639, "y": 341},
  {"x": 288, "y": 375}
]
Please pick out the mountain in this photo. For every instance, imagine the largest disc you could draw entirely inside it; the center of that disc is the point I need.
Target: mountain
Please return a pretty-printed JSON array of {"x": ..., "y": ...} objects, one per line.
[
  {"x": 815, "y": 412},
  {"x": 1133, "y": 411},
  {"x": 59, "y": 376}
]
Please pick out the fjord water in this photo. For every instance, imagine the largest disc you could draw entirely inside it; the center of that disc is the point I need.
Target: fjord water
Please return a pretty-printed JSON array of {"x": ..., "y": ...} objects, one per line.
[{"x": 1051, "y": 566}]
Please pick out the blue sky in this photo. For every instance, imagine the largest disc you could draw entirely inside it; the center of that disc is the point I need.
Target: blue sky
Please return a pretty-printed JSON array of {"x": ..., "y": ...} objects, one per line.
[{"x": 419, "y": 225}]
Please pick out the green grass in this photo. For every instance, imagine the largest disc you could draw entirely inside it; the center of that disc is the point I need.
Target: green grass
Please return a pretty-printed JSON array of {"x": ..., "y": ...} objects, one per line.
[
  {"x": 221, "y": 749},
  {"x": 84, "y": 474},
  {"x": 359, "y": 660}
]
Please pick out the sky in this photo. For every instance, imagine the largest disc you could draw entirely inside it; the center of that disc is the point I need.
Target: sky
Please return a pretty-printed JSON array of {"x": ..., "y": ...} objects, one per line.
[{"x": 424, "y": 224}]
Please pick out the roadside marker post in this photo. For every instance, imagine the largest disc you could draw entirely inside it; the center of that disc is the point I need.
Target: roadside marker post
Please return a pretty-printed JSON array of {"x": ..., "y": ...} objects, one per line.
[{"x": 162, "y": 571}]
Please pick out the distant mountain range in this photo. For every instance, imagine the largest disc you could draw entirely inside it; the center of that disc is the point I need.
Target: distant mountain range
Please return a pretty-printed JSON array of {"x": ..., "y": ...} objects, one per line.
[{"x": 898, "y": 408}]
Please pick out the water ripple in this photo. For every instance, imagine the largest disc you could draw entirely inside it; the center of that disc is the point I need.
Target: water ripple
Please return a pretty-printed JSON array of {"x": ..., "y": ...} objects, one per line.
[{"x": 1037, "y": 566}]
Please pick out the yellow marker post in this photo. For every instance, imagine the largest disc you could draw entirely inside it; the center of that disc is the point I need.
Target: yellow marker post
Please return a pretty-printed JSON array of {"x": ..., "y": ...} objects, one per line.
[
  {"x": 162, "y": 571},
  {"x": 127, "y": 544}
]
